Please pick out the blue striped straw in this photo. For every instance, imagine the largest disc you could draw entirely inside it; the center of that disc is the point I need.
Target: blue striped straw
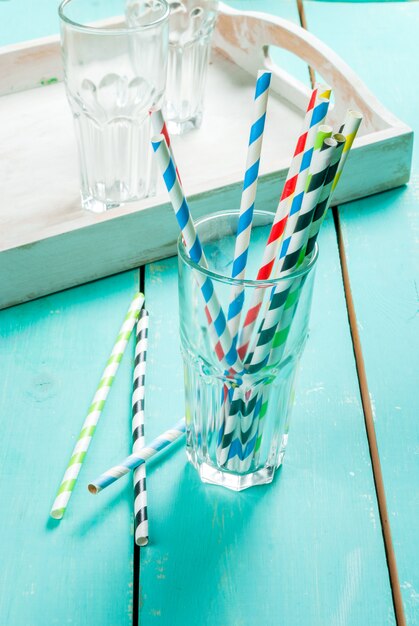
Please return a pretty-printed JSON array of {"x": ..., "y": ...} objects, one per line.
[
  {"x": 316, "y": 133},
  {"x": 219, "y": 332},
  {"x": 315, "y": 114},
  {"x": 248, "y": 197},
  {"x": 178, "y": 200},
  {"x": 133, "y": 461}
]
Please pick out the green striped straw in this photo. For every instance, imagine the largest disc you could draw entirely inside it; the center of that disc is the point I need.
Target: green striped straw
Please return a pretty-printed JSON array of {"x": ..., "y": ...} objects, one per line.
[
  {"x": 80, "y": 450},
  {"x": 345, "y": 139}
]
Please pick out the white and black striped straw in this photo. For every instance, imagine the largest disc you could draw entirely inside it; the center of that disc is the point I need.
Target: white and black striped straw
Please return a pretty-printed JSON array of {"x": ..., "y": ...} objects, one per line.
[{"x": 138, "y": 397}]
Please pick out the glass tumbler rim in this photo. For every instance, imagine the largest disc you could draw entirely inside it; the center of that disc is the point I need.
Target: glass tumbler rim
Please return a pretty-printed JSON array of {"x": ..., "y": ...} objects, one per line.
[
  {"x": 245, "y": 282},
  {"x": 86, "y": 28}
]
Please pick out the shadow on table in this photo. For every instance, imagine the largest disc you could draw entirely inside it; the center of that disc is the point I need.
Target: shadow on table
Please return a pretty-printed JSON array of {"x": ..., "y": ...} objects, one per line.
[{"x": 201, "y": 539}]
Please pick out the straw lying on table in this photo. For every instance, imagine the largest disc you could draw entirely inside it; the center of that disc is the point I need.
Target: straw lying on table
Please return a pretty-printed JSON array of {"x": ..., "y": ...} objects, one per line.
[
  {"x": 138, "y": 396},
  {"x": 135, "y": 460},
  {"x": 88, "y": 429}
]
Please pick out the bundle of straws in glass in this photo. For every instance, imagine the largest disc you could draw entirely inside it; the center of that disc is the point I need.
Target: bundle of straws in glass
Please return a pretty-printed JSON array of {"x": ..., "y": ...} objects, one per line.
[{"x": 249, "y": 338}]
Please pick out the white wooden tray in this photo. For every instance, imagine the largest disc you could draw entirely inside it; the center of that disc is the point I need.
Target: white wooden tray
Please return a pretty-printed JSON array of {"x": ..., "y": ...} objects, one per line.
[{"x": 48, "y": 243}]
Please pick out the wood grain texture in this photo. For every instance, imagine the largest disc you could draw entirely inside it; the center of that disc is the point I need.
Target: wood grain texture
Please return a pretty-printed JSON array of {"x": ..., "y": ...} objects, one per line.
[
  {"x": 52, "y": 353},
  {"x": 282, "y": 58},
  {"x": 308, "y": 548},
  {"x": 381, "y": 244}
]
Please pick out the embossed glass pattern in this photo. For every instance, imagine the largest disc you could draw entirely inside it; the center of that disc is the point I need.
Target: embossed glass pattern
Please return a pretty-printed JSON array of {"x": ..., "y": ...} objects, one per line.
[
  {"x": 191, "y": 26},
  {"x": 114, "y": 74}
]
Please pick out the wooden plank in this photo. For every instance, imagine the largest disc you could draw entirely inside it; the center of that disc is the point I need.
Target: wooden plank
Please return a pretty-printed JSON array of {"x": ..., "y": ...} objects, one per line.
[
  {"x": 380, "y": 237},
  {"x": 307, "y": 547},
  {"x": 53, "y": 350}
]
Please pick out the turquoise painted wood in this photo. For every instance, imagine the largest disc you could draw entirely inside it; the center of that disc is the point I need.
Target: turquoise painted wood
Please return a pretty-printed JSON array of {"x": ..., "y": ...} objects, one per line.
[
  {"x": 362, "y": 1},
  {"x": 22, "y": 19},
  {"x": 308, "y": 549},
  {"x": 382, "y": 247},
  {"x": 52, "y": 352},
  {"x": 305, "y": 550}
]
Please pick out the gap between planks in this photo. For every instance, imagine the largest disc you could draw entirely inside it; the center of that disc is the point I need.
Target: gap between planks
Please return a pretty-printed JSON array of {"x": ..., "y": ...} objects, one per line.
[
  {"x": 137, "y": 550},
  {"x": 370, "y": 428},
  {"x": 365, "y": 398}
]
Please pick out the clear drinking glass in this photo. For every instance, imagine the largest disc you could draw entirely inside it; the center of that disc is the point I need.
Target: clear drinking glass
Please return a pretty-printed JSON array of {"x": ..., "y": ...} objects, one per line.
[
  {"x": 237, "y": 423},
  {"x": 191, "y": 26},
  {"x": 114, "y": 74}
]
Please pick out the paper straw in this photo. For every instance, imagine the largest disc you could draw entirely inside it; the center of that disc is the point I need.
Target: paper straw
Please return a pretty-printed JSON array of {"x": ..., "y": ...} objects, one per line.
[
  {"x": 318, "y": 170},
  {"x": 256, "y": 425},
  {"x": 135, "y": 460},
  {"x": 324, "y": 200},
  {"x": 284, "y": 327},
  {"x": 80, "y": 450},
  {"x": 324, "y": 131},
  {"x": 348, "y": 132},
  {"x": 295, "y": 186},
  {"x": 229, "y": 445},
  {"x": 261, "y": 423},
  {"x": 314, "y": 117},
  {"x": 292, "y": 246},
  {"x": 244, "y": 227},
  {"x": 160, "y": 128},
  {"x": 349, "y": 128},
  {"x": 248, "y": 197},
  {"x": 223, "y": 344},
  {"x": 353, "y": 120},
  {"x": 139, "y": 475},
  {"x": 258, "y": 358},
  {"x": 279, "y": 341}
]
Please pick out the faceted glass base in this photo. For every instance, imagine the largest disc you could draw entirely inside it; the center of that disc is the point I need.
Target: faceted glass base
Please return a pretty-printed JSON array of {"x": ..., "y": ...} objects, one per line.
[{"x": 230, "y": 480}]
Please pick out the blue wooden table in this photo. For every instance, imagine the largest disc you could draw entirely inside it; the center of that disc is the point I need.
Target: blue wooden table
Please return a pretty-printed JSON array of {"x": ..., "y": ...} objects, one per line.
[{"x": 311, "y": 549}]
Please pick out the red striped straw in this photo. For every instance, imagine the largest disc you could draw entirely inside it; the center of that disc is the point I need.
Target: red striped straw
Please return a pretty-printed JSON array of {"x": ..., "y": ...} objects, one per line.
[
  {"x": 159, "y": 126},
  {"x": 315, "y": 114}
]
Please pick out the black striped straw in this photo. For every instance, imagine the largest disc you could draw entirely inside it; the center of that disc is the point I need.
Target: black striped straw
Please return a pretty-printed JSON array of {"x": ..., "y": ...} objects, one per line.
[{"x": 138, "y": 393}]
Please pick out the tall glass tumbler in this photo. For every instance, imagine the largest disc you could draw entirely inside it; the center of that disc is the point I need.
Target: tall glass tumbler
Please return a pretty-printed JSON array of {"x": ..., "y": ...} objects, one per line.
[
  {"x": 114, "y": 75},
  {"x": 237, "y": 422},
  {"x": 191, "y": 26}
]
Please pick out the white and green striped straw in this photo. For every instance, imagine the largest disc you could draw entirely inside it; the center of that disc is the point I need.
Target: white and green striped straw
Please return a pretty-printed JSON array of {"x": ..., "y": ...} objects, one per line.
[{"x": 80, "y": 450}]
